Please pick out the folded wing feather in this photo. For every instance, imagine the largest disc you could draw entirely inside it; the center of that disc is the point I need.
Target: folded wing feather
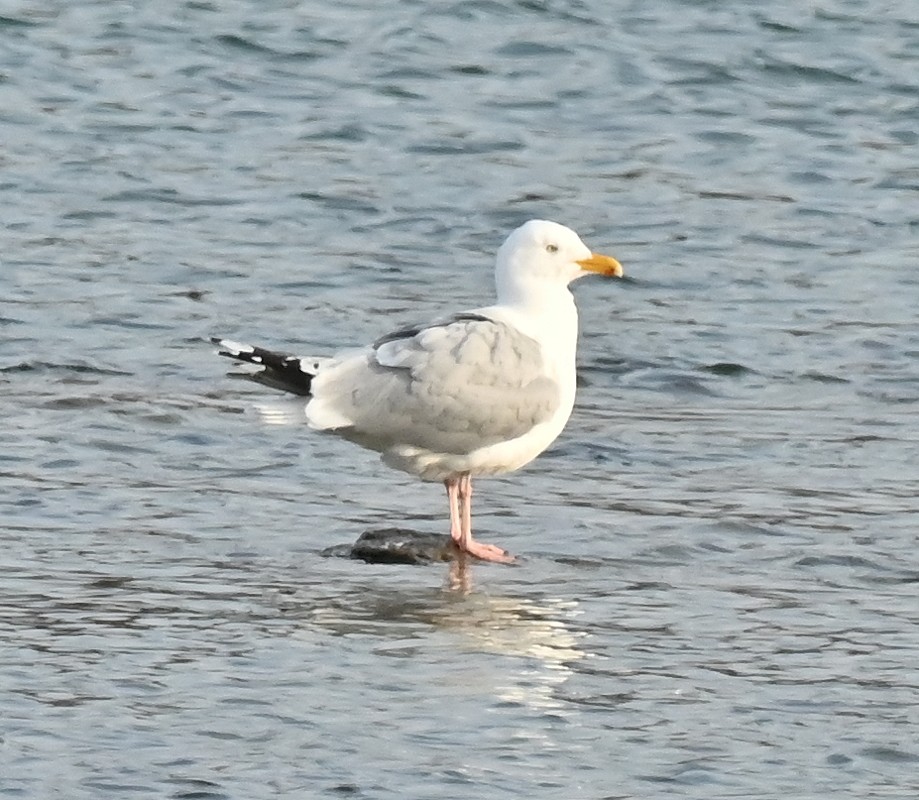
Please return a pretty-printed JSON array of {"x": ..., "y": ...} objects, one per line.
[{"x": 451, "y": 387}]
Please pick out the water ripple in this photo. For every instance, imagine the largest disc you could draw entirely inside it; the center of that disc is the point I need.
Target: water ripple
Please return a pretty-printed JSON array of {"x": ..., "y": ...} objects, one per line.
[{"x": 718, "y": 585}]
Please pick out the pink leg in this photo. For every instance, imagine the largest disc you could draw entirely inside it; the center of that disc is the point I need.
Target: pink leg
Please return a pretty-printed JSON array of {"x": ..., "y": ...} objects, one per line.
[
  {"x": 456, "y": 528},
  {"x": 459, "y": 491}
]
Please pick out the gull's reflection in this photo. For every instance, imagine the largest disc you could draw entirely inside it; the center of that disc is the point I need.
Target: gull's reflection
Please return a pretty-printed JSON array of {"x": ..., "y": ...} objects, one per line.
[
  {"x": 537, "y": 635},
  {"x": 537, "y": 631}
]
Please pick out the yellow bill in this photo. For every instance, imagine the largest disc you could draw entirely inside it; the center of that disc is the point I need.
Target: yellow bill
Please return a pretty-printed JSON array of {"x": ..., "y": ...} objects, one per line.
[{"x": 604, "y": 265}]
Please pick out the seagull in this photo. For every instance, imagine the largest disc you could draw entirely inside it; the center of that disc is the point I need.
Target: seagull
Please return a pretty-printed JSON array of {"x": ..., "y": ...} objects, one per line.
[{"x": 481, "y": 392}]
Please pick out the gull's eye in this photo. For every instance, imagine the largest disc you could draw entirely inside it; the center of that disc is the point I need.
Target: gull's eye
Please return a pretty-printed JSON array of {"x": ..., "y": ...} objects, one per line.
[{"x": 551, "y": 248}]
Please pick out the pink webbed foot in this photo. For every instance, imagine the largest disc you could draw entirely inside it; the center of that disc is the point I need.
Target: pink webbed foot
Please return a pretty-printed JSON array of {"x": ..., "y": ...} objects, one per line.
[
  {"x": 459, "y": 493},
  {"x": 487, "y": 552}
]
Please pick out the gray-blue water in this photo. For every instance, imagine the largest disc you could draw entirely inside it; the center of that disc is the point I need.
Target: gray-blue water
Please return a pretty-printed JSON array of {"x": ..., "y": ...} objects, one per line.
[{"x": 719, "y": 595}]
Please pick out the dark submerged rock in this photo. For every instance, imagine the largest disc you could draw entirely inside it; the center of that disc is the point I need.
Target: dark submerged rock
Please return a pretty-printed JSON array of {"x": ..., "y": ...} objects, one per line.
[{"x": 397, "y": 546}]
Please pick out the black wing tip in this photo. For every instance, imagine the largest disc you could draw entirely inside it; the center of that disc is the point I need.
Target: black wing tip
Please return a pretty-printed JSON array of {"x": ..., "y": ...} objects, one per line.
[{"x": 279, "y": 370}]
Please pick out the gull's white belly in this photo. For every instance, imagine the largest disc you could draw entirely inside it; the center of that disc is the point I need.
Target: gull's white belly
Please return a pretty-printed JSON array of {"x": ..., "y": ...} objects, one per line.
[{"x": 493, "y": 459}]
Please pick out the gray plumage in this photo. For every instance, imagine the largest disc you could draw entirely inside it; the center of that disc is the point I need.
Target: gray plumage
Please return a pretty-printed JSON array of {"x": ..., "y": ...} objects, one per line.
[{"x": 452, "y": 387}]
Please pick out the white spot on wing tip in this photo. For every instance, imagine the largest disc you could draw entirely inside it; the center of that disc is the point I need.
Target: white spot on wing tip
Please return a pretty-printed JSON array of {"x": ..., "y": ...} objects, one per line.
[{"x": 235, "y": 348}]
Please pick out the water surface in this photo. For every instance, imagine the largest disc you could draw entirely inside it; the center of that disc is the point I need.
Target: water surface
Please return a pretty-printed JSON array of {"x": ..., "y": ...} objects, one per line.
[{"x": 718, "y": 596}]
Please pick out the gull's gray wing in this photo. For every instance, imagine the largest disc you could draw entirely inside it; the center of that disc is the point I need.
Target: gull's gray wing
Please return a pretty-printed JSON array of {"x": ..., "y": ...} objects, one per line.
[{"x": 452, "y": 387}]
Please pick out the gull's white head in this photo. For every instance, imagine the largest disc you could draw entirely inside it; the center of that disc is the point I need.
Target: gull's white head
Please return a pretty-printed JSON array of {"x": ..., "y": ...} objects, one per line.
[{"x": 542, "y": 255}]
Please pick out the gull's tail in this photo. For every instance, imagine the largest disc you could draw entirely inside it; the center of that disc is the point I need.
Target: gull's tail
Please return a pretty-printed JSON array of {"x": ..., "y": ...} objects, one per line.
[{"x": 280, "y": 371}]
